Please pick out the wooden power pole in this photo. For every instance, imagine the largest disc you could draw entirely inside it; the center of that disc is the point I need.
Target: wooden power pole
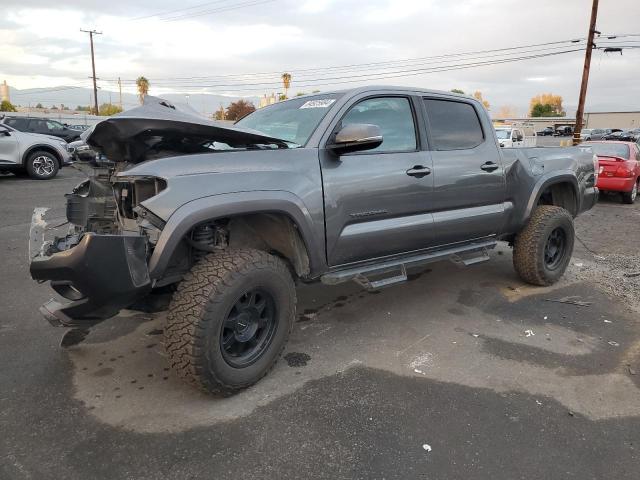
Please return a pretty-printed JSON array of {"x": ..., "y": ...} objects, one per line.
[
  {"x": 585, "y": 73},
  {"x": 93, "y": 68},
  {"x": 120, "y": 92}
]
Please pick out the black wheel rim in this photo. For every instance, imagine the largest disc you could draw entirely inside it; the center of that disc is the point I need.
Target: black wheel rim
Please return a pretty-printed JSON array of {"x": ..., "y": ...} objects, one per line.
[
  {"x": 249, "y": 328},
  {"x": 555, "y": 248}
]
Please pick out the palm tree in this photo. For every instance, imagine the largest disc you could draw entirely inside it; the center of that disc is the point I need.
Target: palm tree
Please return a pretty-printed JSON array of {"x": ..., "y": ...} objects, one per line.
[
  {"x": 143, "y": 88},
  {"x": 286, "y": 81}
]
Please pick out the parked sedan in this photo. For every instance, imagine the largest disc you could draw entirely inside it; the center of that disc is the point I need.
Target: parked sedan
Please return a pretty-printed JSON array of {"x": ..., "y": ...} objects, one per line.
[
  {"x": 619, "y": 167},
  {"x": 624, "y": 136},
  {"x": 546, "y": 132},
  {"x": 42, "y": 126}
]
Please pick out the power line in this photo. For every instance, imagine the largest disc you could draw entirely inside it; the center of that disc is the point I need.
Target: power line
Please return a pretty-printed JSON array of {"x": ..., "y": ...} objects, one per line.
[
  {"x": 348, "y": 66},
  {"x": 160, "y": 14},
  {"x": 218, "y": 10},
  {"x": 273, "y": 79}
]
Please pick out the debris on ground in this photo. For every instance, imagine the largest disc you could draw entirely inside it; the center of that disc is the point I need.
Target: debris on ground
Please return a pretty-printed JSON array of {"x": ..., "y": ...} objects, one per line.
[
  {"x": 613, "y": 344},
  {"x": 418, "y": 371},
  {"x": 427, "y": 447},
  {"x": 570, "y": 301},
  {"x": 529, "y": 333},
  {"x": 607, "y": 321},
  {"x": 615, "y": 274},
  {"x": 632, "y": 371}
]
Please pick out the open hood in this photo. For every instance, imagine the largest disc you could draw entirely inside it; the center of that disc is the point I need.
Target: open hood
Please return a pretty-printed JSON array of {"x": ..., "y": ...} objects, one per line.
[{"x": 160, "y": 128}]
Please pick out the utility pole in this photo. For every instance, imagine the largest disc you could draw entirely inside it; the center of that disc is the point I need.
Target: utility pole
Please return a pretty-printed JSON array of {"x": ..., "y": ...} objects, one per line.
[
  {"x": 585, "y": 72},
  {"x": 120, "y": 92},
  {"x": 93, "y": 67}
]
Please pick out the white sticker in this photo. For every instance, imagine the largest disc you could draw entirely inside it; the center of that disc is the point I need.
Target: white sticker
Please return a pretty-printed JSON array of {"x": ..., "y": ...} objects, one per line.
[{"x": 322, "y": 103}]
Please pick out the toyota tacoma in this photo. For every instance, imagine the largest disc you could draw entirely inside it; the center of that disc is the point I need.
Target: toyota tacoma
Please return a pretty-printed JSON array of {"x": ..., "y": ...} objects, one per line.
[{"x": 349, "y": 185}]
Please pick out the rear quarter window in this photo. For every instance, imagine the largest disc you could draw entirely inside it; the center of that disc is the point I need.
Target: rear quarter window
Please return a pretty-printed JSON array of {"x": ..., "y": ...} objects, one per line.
[{"x": 453, "y": 125}]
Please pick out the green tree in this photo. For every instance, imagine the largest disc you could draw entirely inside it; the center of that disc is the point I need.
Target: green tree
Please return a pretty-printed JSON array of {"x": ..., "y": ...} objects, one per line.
[
  {"x": 143, "y": 88},
  {"x": 239, "y": 109},
  {"x": 39, "y": 105},
  {"x": 83, "y": 108},
  {"x": 53, "y": 107},
  {"x": 545, "y": 110},
  {"x": 219, "y": 115},
  {"x": 300, "y": 94},
  {"x": 457, "y": 90},
  {"x": 108, "y": 109},
  {"x": 7, "y": 106}
]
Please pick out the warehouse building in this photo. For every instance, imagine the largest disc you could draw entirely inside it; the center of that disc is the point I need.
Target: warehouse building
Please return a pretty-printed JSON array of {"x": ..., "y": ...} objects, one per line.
[{"x": 624, "y": 120}]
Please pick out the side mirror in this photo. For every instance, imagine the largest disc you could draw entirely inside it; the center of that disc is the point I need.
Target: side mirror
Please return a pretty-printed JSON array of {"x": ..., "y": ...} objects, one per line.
[
  {"x": 356, "y": 137},
  {"x": 4, "y": 132}
]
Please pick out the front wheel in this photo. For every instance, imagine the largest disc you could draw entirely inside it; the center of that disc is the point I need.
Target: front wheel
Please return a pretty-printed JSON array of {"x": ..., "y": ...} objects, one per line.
[
  {"x": 42, "y": 165},
  {"x": 630, "y": 197},
  {"x": 230, "y": 319},
  {"x": 543, "y": 249}
]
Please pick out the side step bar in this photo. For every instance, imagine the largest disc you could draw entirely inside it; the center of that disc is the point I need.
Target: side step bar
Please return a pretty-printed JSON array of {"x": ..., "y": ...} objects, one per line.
[{"x": 463, "y": 255}]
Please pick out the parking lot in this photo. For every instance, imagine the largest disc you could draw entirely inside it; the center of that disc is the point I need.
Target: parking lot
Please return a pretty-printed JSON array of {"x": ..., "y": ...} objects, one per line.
[{"x": 459, "y": 373}]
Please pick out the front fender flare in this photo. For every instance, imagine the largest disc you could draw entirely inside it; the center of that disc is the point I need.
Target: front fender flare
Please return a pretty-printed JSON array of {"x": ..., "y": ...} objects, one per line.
[{"x": 229, "y": 205}]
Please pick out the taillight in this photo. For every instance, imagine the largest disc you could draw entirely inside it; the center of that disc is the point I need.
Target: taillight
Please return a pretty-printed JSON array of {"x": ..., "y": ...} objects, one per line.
[
  {"x": 596, "y": 168},
  {"x": 623, "y": 171}
]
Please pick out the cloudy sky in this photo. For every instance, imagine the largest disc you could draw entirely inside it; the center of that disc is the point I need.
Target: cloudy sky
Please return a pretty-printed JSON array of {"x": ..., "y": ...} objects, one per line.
[{"x": 195, "y": 46}]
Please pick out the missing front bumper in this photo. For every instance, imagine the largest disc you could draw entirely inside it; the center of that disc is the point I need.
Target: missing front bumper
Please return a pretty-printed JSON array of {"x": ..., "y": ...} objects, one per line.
[{"x": 102, "y": 274}]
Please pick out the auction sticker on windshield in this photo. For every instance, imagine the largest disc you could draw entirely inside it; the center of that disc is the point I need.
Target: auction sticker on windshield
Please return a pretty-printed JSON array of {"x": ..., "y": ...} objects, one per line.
[{"x": 320, "y": 103}]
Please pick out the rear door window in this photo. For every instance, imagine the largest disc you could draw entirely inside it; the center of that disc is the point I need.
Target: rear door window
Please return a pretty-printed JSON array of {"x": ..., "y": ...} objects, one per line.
[{"x": 453, "y": 125}]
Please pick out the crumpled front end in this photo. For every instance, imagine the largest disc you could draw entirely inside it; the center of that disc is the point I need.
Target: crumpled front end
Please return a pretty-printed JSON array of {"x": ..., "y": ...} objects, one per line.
[{"x": 100, "y": 262}]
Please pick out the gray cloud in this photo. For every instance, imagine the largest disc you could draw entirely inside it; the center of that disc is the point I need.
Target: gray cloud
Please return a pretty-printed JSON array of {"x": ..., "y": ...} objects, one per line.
[{"x": 291, "y": 35}]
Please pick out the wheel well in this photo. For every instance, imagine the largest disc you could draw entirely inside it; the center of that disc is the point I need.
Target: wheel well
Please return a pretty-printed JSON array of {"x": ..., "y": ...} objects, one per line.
[
  {"x": 44, "y": 148},
  {"x": 275, "y": 233},
  {"x": 561, "y": 195}
]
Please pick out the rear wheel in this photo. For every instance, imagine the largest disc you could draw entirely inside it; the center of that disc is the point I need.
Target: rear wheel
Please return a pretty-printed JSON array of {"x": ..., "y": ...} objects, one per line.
[
  {"x": 42, "y": 165},
  {"x": 630, "y": 197},
  {"x": 230, "y": 319},
  {"x": 543, "y": 249}
]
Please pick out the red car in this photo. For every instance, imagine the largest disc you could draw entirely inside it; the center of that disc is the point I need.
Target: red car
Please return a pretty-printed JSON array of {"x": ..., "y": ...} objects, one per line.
[{"x": 619, "y": 167}]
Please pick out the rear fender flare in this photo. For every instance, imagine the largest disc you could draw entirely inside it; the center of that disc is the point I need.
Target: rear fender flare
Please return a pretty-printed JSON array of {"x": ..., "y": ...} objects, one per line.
[
  {"x": 230, "y": 205},
  {"x": 545, "y": 181}
]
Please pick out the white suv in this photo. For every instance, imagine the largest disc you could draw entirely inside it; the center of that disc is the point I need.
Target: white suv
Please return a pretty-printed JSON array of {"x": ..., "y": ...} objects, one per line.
[{"x": 40, "y": 156}]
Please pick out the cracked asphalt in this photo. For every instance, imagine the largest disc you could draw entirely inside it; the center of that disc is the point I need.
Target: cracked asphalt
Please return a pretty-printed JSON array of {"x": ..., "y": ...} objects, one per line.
[{"x": 459, "y": 373}]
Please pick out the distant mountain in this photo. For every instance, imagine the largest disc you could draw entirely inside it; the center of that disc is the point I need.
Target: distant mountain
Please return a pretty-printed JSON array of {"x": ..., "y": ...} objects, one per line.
[{"x": 72, "y": 97}]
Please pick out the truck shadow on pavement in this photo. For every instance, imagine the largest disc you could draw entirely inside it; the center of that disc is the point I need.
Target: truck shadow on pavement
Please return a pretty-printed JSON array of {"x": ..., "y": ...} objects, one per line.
[{"x": 478, "y": 327}]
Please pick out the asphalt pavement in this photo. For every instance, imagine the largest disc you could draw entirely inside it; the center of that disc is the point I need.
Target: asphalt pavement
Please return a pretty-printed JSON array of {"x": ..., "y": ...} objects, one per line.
[{"x": 459, "y": 373}]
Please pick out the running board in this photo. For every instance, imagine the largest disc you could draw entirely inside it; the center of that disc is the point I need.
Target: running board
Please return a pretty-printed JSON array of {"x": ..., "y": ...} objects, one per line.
[{"x": 464, "y": 255}]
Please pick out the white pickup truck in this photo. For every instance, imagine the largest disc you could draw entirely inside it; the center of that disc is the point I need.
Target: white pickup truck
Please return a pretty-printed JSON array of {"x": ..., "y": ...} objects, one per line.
[{"x": 511, "y": 136}]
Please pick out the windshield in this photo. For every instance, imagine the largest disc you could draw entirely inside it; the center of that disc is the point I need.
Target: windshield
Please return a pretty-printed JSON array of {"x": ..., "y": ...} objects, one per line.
[
  {"x": 609, "y": 149},
  {"x": 503, "y": 134},
  {"x": 293, "y": 120},
  {"x": 586, "y": 131}
]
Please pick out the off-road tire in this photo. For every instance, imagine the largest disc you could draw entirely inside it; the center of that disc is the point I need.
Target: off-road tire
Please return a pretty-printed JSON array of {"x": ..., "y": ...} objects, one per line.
[
  {"x": 529, "y": 247},
  {"x": 630, "y": 197},
  {"x": 38, "y": 172},
  {"x": 202, "y": 302}
]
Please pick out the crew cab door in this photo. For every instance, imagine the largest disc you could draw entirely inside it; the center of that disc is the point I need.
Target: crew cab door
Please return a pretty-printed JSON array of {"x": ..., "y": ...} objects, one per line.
[
  {"x": 469, "y": 182},
  {"x": 377, "y": 202}
]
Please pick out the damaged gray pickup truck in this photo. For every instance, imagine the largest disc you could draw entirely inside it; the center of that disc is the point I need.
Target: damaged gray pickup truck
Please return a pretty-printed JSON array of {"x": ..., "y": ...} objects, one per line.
[{"x": 349, "y": 185}]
